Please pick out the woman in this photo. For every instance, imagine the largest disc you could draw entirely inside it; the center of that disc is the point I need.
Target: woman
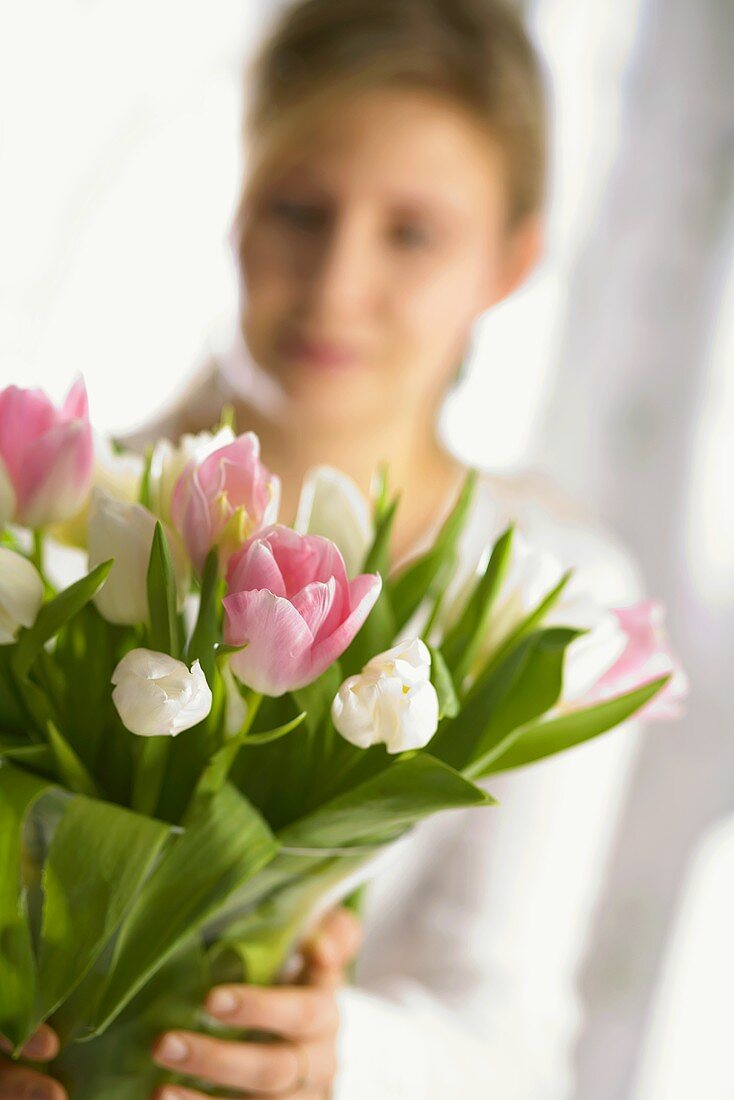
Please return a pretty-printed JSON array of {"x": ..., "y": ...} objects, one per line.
[{"x": 396, "y": 158}]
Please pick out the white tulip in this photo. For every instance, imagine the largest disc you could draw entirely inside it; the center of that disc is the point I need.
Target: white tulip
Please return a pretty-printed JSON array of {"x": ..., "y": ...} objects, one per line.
[
  {"x": 21, "y": 594},
  {"x": 590, "y": 656},
  {"x": 391, "y": 701},
  {"x": 168, "y": 463},
  {"x": 124, "y": 531},
  {"x": 156, "y": 695},
  {"x": 118, "y": 473},
  {"x": 332, "y": 505}
]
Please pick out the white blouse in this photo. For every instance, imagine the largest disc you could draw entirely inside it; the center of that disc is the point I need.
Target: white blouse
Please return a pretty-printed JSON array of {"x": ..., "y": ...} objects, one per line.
[{"x": 477, "y": 922}]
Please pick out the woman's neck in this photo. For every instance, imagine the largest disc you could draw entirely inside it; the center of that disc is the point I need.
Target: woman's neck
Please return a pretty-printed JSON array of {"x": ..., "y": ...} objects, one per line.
[{"x": 425, "y": 474}]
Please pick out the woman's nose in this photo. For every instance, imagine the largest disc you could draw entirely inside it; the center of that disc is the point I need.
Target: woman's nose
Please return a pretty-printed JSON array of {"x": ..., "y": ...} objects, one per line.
[{"x": 342, "y": 276}]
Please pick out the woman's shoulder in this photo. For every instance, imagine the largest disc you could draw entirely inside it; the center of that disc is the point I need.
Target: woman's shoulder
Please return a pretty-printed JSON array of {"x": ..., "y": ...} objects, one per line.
[
  {"x": 552, "y": 519},
  {"x": 195, "y": 407}
]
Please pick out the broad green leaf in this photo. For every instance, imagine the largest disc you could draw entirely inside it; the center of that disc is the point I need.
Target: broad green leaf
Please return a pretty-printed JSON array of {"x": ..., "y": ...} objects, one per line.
[
  {"x": 118, "y": 1065},
  {"x": 18, "y": 792},
  {"x": 409, "y": 789},
  {"x": 162, "y": 600},
  {"x": 70, "y": 768},
  {"x": 545, "y": 737},
  {"x": 419, "y": 577},
  {"x": 98, "y": 858},
  {"x": 203, "y": 866},
  {"x": 464, "y": 639},
  {"x": 526, "y": 684},
  {"x": 55, "y": 614}
]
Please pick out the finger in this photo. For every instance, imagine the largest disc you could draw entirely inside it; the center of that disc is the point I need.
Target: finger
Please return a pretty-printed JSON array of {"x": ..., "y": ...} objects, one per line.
[
  {"x": 263, "y": 1067},
  {"x": 19, "y": 1081},
  {"x": 325, "y": 978},
  {"x": 336, "y": 940},
  {"x": 178, "y": 1092},
  {"x": 294, "y": 1012},
  {"x": 42, "y": 1046}
]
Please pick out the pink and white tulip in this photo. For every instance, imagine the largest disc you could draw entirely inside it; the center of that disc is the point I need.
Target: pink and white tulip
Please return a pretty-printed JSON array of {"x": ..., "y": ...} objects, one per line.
[
  {"x": 291, "y": 604},
  {"x": 645, "y": 657},
  {"x": 46, "y": 456},
  {"x": 223, "y": 498}
]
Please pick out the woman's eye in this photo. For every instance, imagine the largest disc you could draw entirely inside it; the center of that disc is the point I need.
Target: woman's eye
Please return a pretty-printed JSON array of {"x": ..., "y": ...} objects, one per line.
[{"x": 411, "y": 235}]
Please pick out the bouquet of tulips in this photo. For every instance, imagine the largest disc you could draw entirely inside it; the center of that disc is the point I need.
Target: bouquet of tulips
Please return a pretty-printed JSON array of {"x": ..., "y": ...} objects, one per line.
[{"x": 223, "y": 719}]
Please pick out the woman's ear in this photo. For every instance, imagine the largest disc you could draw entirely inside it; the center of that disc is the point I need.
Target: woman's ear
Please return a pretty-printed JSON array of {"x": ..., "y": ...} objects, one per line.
[{"x": 523, "y": 249}]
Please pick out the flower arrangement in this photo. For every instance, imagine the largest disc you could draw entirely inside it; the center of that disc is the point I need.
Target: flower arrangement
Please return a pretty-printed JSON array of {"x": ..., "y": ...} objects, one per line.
[{"x": 224, "y": 719}]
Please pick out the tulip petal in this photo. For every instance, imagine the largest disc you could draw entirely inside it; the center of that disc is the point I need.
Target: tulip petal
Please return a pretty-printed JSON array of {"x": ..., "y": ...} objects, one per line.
[
  {"x": 277, "y": 640},
  {"x": 56, "y": 475},
  {"x": 363, "y": 592},
  {"x": 314, "y": 603},
  {"x": 25, "y": 415},
  {"x": 76, "y": 405},
  {"x": 255, "y": 567}
]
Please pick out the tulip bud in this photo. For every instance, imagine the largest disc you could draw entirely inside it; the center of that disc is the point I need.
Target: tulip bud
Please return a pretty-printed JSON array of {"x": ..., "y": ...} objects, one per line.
[
  {"x": 168, "y": 463},
  {"x": 392, "y": 700},
  {"x": 223, "y": 498},
  {"x": 46, "y": 456},
  {"x": 156, "y": 695},
  {"x": 125, "y": 532},
  {"x": 332, "y": 505},
  {"x": 21, "y": 594}
]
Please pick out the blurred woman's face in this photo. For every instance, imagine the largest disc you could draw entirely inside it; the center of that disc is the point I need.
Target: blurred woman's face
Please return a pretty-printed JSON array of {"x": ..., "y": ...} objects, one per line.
[{"x": 368, "y": 253}]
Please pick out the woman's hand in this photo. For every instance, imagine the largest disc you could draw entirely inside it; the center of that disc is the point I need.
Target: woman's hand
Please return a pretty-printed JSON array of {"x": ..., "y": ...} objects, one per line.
[
  {"x": 19, "y": 1081},
  {"x": 304, "y": 1015}
]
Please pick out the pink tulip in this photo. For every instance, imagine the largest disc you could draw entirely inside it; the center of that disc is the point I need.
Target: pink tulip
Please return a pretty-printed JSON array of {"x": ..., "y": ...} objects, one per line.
[
  {"x": 47, "y": 455},
  {"x": 223, "y": 498},
  {"x": 290, "y": 602},
  {"x": 645, "y": 657}
]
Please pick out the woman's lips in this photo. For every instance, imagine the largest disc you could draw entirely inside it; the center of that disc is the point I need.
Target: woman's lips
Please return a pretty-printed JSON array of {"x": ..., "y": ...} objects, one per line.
[{"x": 324, "y": 354}]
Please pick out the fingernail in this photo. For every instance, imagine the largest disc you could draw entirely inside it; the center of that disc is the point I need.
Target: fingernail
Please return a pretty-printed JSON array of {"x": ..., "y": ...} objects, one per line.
[
  {"x": 36, "y": 1047},
  {"x": 221, "y": 1002},
  {"x": 173, "y": 1049},
  {"x": 169, "y": 1094}
]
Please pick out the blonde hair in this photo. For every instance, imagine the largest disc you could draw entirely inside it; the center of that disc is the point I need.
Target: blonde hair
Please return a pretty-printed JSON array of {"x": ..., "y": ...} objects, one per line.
[{"x": 476, "y": 52}]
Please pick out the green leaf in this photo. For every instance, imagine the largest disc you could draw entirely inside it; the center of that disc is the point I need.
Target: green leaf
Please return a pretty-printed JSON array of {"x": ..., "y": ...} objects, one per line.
[
  {"x": 162, "y": 601},
  {"x": 18, "y": 792},
  {"x": 419, "y": 578},
  {"x": 144, "y": 496},
  {"x": 545, "y": 737},
  {"x": 71, "y": 770},
  {"x": 150, "y": 770},
  {"x": 204, "y": 643},
  {"x": 526, "y": 684},
  {"x": 203, "y": 866},
  {"x": 55, "y": 614},
  {"x": 463, "y": 640},
  {"x": 26, "y": 752},
  {"x": 391, "y": 801},
  {"x": 98, "y": 858},
  {"x": 448, "y": 703},
  {"x": 273, "y": 735}
]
